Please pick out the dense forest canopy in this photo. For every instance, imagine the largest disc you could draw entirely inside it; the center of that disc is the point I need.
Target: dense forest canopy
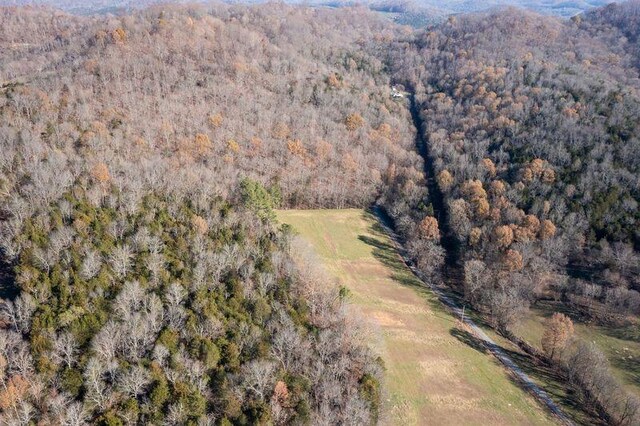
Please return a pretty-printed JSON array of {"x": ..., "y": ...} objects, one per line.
[
  {"x": 142, "y": 156},
  {"x": 618, "y": 22},
  {"x": 141, "y": 159},
  {"x": 531, "y": 125},
  {"x": 535, "y": 146},
  {"x": 236, "y": 85},
  {"x": 180, "y": 310}
]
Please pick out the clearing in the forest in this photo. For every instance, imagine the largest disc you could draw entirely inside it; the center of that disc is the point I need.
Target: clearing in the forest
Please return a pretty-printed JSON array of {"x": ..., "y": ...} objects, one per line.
[{"x": 436, "y": 372}]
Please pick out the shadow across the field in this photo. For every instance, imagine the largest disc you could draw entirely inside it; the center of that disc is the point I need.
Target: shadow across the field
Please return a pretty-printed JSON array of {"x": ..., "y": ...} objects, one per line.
[
  {"x": 469, "y": 339},
  {"x": 386, "y": 253}
]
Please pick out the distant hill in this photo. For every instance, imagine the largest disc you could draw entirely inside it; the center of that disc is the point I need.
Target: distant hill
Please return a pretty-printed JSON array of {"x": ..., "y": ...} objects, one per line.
[
  {"x": 405, "y": 12},
  {"x": 550, "y": 7},
  {"x": 621, "y": 22},
  {"x": 86, "y": 7}
]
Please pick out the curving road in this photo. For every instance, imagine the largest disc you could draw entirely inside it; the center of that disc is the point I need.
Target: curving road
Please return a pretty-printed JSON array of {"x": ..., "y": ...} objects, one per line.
[{"x": 491, "y": 346}]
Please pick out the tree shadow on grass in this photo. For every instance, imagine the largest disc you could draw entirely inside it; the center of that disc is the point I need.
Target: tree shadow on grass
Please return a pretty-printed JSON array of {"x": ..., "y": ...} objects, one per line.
[
  {"x": 627, "y": 361},
  {"x": 555, "y": 386},
  {"x": 630, "y": 333},
  {"x": 387, "y": 254},
  {"x": 547, "y": 378},
  {"x": 468, "y": 339},
  {"x": 630, "y": 365},
  {"x": 384, "y": 247}
]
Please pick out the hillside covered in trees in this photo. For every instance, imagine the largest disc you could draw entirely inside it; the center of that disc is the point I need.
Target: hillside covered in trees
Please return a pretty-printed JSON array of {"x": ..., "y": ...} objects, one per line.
[
  {"x": 235, "y": 88},
  {"x": 141, "y": 159},
  {"x": 531, "y": 124},
  {"x": 178, "y": 310},
  {"x": 142, "y": 155},
  {"x": 536, "y": 148},
  {"x": 617, "y": 22}
]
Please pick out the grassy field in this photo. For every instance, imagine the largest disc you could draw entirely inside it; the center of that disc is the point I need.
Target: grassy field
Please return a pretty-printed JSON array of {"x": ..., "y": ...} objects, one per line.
[
  {"x": 436, "y": 372},
  {"x": 621, "y": 345}
]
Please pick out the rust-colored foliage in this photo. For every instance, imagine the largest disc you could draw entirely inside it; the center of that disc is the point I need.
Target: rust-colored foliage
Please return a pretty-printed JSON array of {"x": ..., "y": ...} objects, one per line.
[
  {"x": 547, "y": 229},
  {"x": 256, "y": 144},
  {"x": 477, "y": 196},
  {"x": 473, "y": 189},
  {"x": 349, "y": 163},
  {"x": 536, "y": 166},
  {"x": 481, "y": 206},
  {"x": 523, "y": 234},
  {"x": 202, "y": 144},
  {"x": 474, "y": 236},
  {"x": 233, "y": 146},
  {"x": 497, "y": 188},
  {"x": 200, "y": 225},
  {"x": 281, "y": 393},
  {"x": 385, "y": 130},
  {"x": 503, "y": 236},
  {"x": 119, "y": 35},
  {"x": 445, "y": 180},
  {"x": 557, "y": 333},
  {"x": 489, "y": 166},
  {"x": 531, "y": 222},
  {"x": 428, "y": 228},
  {"x": 215, "y": 120},
  {"x": 513, "y": 260},
  {"x": 296, "y": 147},
  {"x": 354, "y": 121},
  {"x": 100, "y": 173},
  {"x": 15, "y": 390},
  {"x": 333, "y": 80},
  {"x": 537, "y": 169}
]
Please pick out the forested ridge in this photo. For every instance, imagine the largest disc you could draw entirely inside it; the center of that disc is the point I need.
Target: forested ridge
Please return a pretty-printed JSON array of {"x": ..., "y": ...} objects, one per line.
[
  {"x": 142, "y": 156},
  {"x": 232, "y": 87},
  {"x": 535, "y": 145},
  {"x": 532, "y": 126}
]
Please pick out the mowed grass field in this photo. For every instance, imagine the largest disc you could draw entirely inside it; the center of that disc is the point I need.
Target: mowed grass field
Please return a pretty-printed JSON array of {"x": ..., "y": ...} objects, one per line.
[{"x": 436, "y": 373}]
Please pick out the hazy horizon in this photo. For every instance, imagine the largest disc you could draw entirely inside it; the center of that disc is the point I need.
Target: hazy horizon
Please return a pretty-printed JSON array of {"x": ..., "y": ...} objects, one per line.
[{"x": 432, "y": 7}]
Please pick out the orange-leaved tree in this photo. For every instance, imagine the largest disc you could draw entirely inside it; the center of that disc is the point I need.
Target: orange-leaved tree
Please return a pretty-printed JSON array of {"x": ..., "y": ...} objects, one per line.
[{"x": 557, "y": 334}]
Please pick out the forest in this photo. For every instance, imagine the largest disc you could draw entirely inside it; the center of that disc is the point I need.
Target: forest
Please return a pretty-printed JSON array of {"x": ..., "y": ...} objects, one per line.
[
  {"x": 539, "y": 168},
  {"x": 145, "y": 278}
]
